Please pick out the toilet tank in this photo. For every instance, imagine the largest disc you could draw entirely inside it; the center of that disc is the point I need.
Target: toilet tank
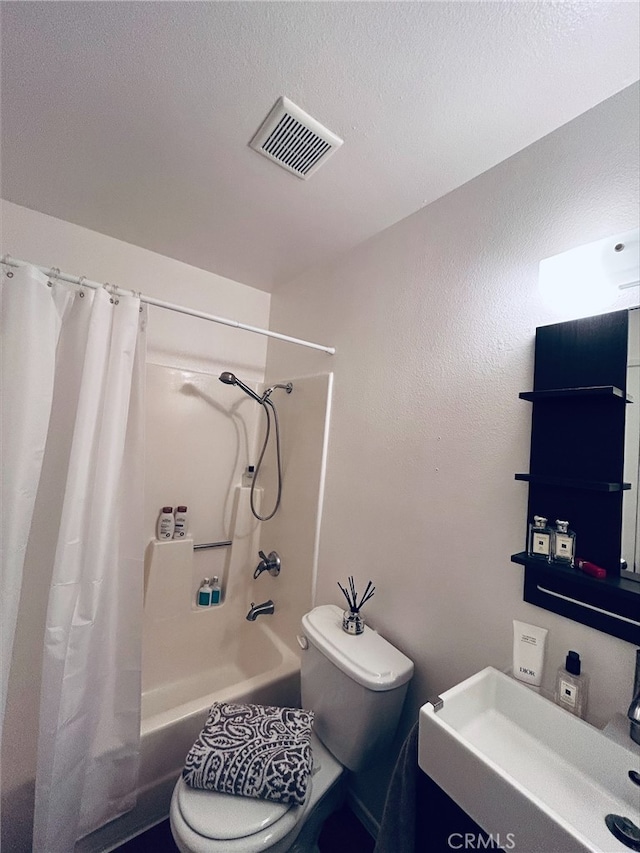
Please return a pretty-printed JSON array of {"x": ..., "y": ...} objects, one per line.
[{"x": 356, "y": 685}]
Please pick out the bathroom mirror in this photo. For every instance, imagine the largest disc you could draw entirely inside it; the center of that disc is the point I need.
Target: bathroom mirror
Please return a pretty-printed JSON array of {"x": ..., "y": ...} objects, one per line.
[
  {"x": 585, "y": 438},
  {"x": 630, "y": 551}
]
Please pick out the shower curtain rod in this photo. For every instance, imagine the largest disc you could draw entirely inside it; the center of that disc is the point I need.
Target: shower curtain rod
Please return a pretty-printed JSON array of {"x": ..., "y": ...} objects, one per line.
[{"x": 54, "y": 272}]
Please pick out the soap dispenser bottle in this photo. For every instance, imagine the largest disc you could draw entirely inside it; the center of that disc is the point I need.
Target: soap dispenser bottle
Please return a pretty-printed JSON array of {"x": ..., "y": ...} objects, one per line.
[
  {"x": 216, "y": 592},
  {"x": 572, "y": 686},
  {"x": 204, "y": 594}
]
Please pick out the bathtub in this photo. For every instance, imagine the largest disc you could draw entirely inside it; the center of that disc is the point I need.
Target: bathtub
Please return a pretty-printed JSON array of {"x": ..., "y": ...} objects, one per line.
[{"x": 263, "y": 670}]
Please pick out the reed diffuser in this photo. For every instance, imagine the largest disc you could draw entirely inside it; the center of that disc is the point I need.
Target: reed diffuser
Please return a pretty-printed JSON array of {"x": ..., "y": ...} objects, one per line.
[{"x": 352, "y": 621}]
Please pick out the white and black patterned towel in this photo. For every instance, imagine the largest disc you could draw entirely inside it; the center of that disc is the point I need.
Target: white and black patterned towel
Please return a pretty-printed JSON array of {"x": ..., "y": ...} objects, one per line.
[{"x": 253, "y": 750}]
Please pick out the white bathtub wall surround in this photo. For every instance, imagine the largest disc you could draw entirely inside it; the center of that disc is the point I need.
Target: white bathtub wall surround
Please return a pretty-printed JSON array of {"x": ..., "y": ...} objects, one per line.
[
  {"x": 183, "y": 643},
  {"x": 192, "y": 347},
  {"x": 209, "y": 466},
  {"x": 434, "y": 322},
  {"x": 168, "y": 583},
  {"x": 294, "y": 532},
  {"x": 200, "y": 437}
]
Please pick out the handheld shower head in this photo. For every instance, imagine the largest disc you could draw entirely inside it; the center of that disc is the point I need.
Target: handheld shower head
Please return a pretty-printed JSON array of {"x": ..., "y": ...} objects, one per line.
[{"x": 231, "y": 379}]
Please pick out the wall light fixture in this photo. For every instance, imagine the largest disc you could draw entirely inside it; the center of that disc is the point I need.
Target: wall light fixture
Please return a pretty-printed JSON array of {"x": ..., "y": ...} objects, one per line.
[{"x": 590, "y": 277}]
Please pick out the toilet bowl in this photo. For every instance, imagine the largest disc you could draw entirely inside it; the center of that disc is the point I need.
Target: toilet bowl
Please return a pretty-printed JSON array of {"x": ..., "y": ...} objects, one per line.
[{"x": 356, "y": 686}]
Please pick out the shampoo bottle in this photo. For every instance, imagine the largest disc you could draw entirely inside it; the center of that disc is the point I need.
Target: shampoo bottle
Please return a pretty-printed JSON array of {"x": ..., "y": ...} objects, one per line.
[
  {"x": 248, "y": 476},
  {"x": 180, "y": 530},
  {"x": 166, "y": 524},
  {"x": 572, "y": 686}
]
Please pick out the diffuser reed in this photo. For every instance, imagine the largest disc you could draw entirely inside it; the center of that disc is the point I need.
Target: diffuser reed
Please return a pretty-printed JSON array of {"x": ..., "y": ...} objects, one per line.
[{"x": 352, "y": 621}]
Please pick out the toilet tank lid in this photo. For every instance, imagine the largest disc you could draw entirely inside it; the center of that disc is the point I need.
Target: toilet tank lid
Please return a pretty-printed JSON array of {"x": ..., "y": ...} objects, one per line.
[{"x": 367, "y": 658}]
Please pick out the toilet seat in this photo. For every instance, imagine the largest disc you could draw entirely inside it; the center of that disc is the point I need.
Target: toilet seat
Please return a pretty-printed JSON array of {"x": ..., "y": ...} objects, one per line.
[
  {"x": 209, "y": 822},
  {"x": 235, "y": 817}
]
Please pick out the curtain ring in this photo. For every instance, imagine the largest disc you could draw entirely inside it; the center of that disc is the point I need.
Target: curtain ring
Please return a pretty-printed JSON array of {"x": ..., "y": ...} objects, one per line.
[
  {"x": 5, "y": 261},
  {"x": 54, "y": 272},
  {"x": 115, "y": 301},
  {"x": 81, "y": 281}
]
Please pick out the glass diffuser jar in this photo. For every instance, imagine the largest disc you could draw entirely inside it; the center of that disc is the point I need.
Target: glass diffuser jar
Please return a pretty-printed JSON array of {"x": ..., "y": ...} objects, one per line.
[{"x": 352, "y": 623}]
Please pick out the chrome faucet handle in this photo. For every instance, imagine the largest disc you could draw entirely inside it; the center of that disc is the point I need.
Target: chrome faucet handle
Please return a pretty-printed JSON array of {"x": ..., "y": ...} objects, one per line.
[{"x": 269, "y": 563}]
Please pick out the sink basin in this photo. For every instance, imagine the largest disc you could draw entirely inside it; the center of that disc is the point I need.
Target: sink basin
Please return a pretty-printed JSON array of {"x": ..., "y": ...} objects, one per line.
[{"x": 535, "y": 777}]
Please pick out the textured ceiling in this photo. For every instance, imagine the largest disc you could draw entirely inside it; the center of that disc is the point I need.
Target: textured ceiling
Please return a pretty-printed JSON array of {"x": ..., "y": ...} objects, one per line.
[{"x": 133, "y": 119}]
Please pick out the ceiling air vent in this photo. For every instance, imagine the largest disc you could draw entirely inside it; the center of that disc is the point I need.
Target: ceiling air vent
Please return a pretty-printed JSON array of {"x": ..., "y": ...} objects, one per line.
[{"x": 294, "y": 140}]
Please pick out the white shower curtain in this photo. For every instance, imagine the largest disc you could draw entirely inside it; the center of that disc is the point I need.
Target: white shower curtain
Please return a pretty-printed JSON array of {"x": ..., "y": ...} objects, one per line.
[
  {"x": 27, "y": 303},
  {"x": 91, "y": 479}
]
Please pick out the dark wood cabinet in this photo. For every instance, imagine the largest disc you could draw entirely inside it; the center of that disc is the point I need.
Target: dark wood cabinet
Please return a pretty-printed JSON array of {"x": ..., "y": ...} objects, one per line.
[{"x": 576, "y": 469}]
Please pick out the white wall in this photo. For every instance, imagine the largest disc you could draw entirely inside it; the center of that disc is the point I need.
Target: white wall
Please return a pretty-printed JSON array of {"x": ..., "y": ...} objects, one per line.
[{"x": 434, "y": 322}]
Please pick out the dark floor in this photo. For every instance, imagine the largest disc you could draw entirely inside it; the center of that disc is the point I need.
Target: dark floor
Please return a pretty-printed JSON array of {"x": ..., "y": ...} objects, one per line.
[{"x": 341, "y": 832}]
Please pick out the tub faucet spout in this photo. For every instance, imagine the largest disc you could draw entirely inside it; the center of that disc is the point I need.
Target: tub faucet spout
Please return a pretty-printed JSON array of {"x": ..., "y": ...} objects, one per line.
[{"x": 264, "y": 609}]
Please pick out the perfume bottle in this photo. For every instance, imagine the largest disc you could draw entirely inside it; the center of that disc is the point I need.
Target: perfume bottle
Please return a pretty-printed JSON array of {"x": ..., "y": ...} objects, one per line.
[
  {"x": 572, "y": 686},
  {"x": 563, "y": 543},
  {"x": 540, "y": 536}
]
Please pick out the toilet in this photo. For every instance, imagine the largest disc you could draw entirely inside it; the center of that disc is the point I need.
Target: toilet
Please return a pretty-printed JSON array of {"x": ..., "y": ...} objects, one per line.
[{"x": 356, "y": 686}]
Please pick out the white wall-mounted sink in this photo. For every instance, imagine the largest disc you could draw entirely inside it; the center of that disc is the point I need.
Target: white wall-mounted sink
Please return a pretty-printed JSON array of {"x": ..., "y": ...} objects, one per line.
[{"x": 535, "y": 777}]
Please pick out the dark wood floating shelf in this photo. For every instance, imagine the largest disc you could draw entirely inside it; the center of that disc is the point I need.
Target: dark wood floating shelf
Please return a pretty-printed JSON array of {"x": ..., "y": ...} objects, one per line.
[
  {"x": 588, "y": 391},
  {"x": 628, "y": 586},
  {"x": 610, "y": 604},
  {"x": 569, "y": 483}
]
